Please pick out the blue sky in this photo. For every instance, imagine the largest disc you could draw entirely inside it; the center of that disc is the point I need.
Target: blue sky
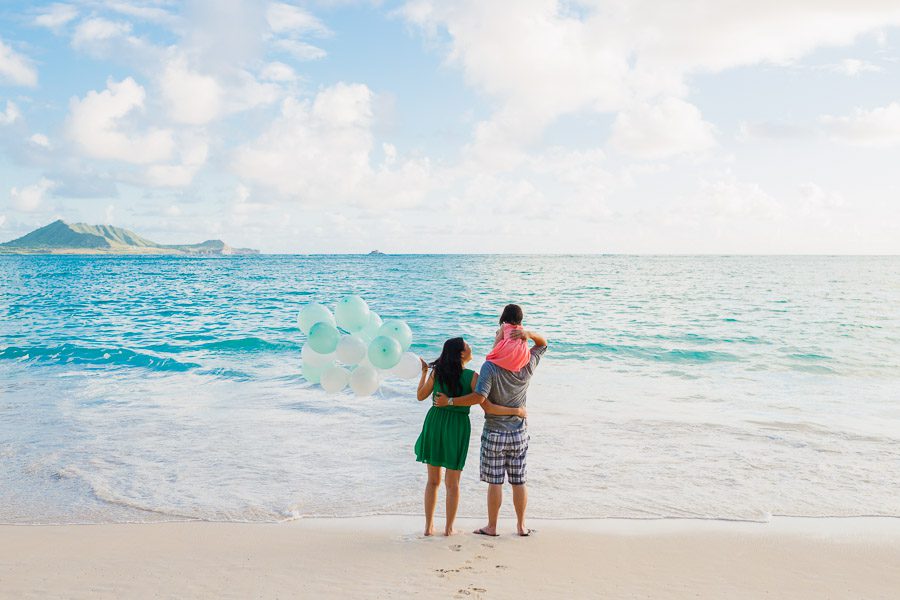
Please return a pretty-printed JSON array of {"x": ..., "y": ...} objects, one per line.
[{"x": 457, "y": 126}]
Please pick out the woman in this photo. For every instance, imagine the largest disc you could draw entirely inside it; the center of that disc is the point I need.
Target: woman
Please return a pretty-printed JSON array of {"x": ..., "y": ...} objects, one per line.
[{"x": 444, "y": 441}]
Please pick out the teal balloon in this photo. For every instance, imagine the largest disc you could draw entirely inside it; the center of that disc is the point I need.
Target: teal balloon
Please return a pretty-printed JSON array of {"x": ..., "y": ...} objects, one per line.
[
  {"x": 398, "y": 330},
  {"x": 312, "y": 314},
  {"x": 324, "y": 338},
  {"x": 352, "y": 314},
  {"x": 385, "y": 352}
]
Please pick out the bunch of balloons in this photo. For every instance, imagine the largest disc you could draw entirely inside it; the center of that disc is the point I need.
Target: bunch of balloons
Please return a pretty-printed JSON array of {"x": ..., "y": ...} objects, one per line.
[{"x": 354, "y": 346}]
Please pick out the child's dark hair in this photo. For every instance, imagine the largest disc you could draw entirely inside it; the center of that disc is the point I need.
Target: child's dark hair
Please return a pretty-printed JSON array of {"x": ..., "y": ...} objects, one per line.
[
  {"x": 448, "y": 367},
  {"x": 512, "y": 314}
]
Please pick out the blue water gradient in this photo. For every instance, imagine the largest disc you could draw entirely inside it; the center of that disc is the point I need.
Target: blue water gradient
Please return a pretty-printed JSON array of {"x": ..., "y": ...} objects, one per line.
[{"x": 103, "y": 359}]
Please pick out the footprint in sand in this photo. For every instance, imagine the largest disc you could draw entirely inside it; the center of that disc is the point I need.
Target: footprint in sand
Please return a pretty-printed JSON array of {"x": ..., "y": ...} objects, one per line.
[
  {"x": 471, "y": 590},
  {"x": 501, "y": 566},
  {"x": 487, "y": 545},
  {"x": 456, "y": 547}
]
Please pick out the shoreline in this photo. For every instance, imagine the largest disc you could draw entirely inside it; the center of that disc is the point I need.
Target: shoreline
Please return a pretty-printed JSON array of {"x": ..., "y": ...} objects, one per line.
[
  {"x": 794, "y": 523},
  {"x": 387, "y": 557}
]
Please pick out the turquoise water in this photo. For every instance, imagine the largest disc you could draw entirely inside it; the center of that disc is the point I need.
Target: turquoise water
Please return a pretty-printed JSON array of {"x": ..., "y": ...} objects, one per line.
[{"x": 143, "y": 388}]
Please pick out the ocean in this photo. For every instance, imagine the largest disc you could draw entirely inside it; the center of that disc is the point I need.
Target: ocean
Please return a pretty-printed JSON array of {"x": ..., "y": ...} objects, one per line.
[{"x": 138, "y": 389}]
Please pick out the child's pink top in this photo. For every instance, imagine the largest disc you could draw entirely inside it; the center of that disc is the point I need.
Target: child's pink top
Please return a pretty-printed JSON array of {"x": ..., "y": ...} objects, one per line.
[{"x": 509, "y": 353}]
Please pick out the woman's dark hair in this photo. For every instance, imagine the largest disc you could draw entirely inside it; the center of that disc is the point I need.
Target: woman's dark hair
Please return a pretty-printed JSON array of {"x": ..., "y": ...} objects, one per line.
[
  {"x": 448, "y": 367},
  {"x": 512, "y": 314}
]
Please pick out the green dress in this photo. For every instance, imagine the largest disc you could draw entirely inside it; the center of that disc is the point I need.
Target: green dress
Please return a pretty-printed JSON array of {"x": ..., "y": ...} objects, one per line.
[{"x": 444, "y": 441}]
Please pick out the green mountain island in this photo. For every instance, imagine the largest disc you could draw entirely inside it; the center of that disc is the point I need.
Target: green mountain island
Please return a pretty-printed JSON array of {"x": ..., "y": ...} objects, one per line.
[{"x": 60, "y": 237}]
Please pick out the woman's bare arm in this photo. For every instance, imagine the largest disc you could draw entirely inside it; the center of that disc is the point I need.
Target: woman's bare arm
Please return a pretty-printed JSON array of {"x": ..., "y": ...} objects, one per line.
[
  {"x": 495, "y": 409},
  {"x": 426, "y": 382}
]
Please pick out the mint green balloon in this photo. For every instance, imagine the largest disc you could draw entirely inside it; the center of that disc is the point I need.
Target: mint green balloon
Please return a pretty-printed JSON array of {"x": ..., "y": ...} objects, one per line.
[
  {"x": 324, "y": 338},
  {"x": 312, "y": 314},
  {"x": 398, "y": 330},
  {"x": 311, "y": 373},
  {"x": 385, "y": 352},
  {"x": 352, "y": 313}
]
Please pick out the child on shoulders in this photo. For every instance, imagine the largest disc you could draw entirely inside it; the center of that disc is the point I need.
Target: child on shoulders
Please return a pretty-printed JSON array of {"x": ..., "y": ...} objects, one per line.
[{"x": 510, "y": 352}]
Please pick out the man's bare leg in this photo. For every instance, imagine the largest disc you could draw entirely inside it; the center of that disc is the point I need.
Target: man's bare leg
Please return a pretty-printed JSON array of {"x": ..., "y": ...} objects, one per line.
[
  {"x": 431, "y": 492},
  {"x": 451, "y": 481},
  {"x": 520, "y": 501},
  {"x": 494, "y": 500}
]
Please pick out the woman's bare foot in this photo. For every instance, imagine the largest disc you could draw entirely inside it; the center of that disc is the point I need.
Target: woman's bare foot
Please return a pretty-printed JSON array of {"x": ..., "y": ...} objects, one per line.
[
  {"x": 429, "y": 530},
  {"x": 449, "y": 532}
]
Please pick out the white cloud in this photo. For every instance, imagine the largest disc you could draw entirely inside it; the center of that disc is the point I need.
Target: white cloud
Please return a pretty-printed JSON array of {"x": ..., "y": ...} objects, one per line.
[
  {"x": 319, "y": 151},
  {"x": 662, "y": 130},
  {"x": 541, "y": 59},
  {"x": 93, "y": 33},
  {"x": 39, "y": 139},
  {"x": 731, "y": 199},
  {"x": 300, "y": 50},
  {"x": 152, "y": 14},
  {"x": 314, "y": 148},
  {"x": 876, "y": 127},
  {"x": 11, "y": 114},
  {"x": 16, "y": 68},
  {"x": 278, "y": 71},
  {"x": 192, "y": 97},
  {"x": 814, "y": 199},
  {"x": 97, "y": 124},
  {"x": 193, "y": 153},
  {"x": 286, "y": 18},
  {"x": 30, "y": 197},
  {"x": 56, "y": 16},
  {"x": 773, "y": 130},
  {"x": 854, "y": 66},
  {"x": 2, "y": 220}
]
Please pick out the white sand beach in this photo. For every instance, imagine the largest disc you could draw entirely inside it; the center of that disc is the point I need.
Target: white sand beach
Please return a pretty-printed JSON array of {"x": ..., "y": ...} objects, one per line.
[{"x": 385, "y": 557}]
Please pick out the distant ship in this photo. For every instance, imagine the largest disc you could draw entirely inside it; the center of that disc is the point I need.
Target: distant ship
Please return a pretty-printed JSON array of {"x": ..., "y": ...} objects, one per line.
[{"x": 60, "y": 237}]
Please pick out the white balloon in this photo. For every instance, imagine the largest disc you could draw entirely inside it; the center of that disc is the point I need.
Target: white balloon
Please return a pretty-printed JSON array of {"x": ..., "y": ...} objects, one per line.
[
  {"x": 370, "y": 331},
  {"x": 409, "y": 366},
  {"x": 364, "y": 380},
  {"x": 334, "y": 379},
  {"x": 351, "y": 349},
  {"x": 314, "y": 359}
]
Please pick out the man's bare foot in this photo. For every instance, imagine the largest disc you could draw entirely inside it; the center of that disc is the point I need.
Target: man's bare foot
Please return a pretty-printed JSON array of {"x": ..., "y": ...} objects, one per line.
[
  {"x": 489, "y": 531},
  {"x": 524, "y": 531}
]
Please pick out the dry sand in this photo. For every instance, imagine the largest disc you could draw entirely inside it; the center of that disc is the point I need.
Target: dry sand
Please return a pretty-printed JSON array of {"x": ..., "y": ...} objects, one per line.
[{"x": 385, "y": 557}]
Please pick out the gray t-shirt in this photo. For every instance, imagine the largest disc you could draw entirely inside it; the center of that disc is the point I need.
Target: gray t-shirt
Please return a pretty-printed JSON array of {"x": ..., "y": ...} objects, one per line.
[{"x": 507, "y": 388}]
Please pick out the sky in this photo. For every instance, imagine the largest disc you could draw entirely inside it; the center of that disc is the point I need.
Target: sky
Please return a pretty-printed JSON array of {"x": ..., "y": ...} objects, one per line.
[{"x": 472, "y": 126}]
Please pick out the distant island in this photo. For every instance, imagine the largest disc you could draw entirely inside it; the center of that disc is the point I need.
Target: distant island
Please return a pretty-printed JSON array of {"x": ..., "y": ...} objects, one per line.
[
  {"x": 60, "y": 237},
  {"x": 376, "y": 253}
]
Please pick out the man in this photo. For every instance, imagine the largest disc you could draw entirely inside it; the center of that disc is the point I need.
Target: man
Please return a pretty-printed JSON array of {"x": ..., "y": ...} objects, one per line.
[{"x": 504, "y": 440}]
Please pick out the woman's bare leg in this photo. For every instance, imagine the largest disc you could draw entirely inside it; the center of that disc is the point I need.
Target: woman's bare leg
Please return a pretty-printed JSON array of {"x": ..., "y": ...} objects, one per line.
[
  {"x": 451, "y": 480},
  {"x": 431, "y": 492}
]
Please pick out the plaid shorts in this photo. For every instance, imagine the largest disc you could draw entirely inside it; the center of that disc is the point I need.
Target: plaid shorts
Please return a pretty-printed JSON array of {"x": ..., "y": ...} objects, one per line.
[{"x": 503, "y": 453}]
